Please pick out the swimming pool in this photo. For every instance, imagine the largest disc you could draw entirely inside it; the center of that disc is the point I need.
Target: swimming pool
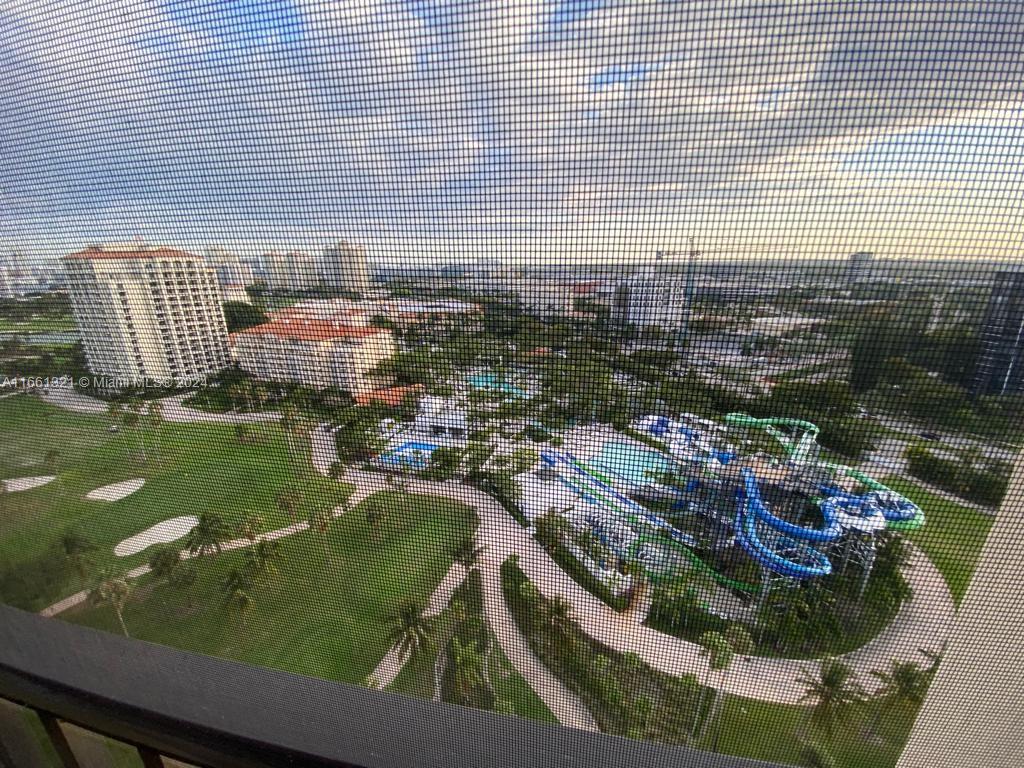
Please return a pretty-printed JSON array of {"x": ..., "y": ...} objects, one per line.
[
  {"x": 492, "y": 382},
  {"x": 625, "y": 461},
  {"x": 412, "y": 454}
]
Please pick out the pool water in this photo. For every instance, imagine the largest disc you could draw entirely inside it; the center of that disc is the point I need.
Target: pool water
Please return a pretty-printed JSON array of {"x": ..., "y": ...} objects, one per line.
[
  {"x": 411, "y": 454},
  {"x": 492, "y": 382},
  {"x": 631, "y": 463}
]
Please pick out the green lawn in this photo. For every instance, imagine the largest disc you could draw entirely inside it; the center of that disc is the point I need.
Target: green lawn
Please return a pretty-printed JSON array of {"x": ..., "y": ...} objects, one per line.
[
  {"x": 197, "y": 469},
  {"x": 313, "y": 618},
  {"x": 764, "y": 731},
  {"x": 417, "y": 677},
  {"x": 952, "y": 535},
  {"x": 37, "y": 325}
]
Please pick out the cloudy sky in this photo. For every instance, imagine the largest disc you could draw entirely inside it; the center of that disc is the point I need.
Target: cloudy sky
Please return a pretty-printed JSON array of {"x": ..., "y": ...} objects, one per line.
[{"x": 515, "y": 129}]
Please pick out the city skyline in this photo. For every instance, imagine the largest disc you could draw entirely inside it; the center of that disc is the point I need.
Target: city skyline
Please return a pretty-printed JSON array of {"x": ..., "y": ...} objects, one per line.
[{"x": 580, "y": 130}]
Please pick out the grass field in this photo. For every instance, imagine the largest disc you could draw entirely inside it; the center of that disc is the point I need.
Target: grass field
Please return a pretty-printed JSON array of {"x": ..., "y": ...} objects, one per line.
[
  {"x": 952, "y": 535},
  {"x": 37, "y": 325},
  {"x": 197, "y": 468},
  {"x": 417, "y": 676},
  {"x": 763, "y": 731},
  {"x": 326, "y": 620}
]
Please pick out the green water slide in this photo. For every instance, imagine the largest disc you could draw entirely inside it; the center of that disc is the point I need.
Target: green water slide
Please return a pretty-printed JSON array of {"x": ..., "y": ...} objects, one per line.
[{"x": 797, "y": 443}]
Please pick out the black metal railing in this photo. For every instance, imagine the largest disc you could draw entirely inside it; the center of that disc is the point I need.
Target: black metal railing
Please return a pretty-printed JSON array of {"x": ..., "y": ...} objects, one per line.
[{"x": 212, "y": 712}]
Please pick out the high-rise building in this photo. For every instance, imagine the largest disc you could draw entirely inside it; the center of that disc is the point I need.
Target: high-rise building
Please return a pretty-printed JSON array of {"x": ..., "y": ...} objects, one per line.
[
  {"x": 231, "y": 270},
  {"x": 653, "y": 297},
  {"x": 295, "y": 271},
  {"x": 1001, "y": 363},
  {"x": 147, "y": 313},
  {"x": 343, "y": 267},
  {"x": 859, "y": 266}
]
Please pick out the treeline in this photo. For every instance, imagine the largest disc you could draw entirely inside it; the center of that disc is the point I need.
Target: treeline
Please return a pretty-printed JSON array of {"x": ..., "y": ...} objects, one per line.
[{"x": 982, "y": 481}]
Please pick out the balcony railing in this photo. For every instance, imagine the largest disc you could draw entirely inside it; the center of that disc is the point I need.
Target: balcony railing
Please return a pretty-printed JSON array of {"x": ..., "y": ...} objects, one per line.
[{"x": 211, "y": 712}]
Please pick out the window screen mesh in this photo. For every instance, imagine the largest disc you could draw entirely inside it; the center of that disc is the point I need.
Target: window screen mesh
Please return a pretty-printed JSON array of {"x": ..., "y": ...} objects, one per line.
[{"x": 647, "y": 368}]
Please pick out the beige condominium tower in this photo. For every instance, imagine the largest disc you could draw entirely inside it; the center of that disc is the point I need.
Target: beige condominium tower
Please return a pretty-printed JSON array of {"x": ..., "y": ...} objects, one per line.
[{"x": 147, "y": 313}]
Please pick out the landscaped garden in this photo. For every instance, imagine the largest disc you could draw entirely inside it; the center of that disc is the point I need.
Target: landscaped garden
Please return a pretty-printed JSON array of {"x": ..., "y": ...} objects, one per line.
[
  {"x": 320, "y": 604},
  {"x": 53, "y": 540}
]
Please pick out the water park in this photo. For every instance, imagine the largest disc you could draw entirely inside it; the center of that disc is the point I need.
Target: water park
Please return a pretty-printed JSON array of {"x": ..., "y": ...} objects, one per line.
[{"x": 752, "y": 532}]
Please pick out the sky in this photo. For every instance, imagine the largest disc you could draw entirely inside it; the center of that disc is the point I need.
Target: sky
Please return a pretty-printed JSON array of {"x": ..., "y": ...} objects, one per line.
[{"x": 522, "y": 130}]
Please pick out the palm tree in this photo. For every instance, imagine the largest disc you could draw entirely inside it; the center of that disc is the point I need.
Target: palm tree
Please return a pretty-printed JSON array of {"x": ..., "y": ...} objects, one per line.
[
  {"x": 250, "y": 526},
  {"x": 243, "y": 433},
  {"x": 903, "y": 683},
  {"x": 560, "y": 616},
  {"x": 112, "y": 590},
  {"x": 410, "y": 631},
  {"x": 831, "y": 691},
  {"x": 337, "y": 472},
  {"x": 259, "y": 560},
  {"x": 376, "y": 517},
  {"x": 164, "y": 562},
  {"x": 154, "y": 419},
  {"x": 288, "y": 501},
  {"x": 52, "y": 457},
  {"x": 721, "y": 650},
  {"x": 76, "y": 548},
  {"x": 468, "y": 554},
  {"x": 320, "y": 523},
  {"x": 237, "y": 589},
  {"x": 207, "y": 536}
]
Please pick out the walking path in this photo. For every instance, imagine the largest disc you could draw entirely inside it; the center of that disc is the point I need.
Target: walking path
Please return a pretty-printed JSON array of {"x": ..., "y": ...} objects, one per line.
[
  {"x": 394, "y": 660},
  {"x": 172, "y": 408},
  {"x": 923, "y": 622}
]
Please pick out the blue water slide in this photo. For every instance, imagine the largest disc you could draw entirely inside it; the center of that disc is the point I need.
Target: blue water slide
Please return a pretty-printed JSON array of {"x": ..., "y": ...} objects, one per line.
[
  {"x": 775, "y": 551},
  {"x": 830, "y": 532}
]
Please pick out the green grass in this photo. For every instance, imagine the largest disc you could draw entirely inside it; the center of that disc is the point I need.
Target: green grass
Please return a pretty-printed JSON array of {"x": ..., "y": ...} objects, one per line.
[
  {"x": 764, "y": 731},
  {"x": 417, "y": 676},
  {"x": 324, "y": 620},
  {"x": 198, "y": 468},
  {"x": 37, "y": 325},
  {"x": 952, "y": 535}
]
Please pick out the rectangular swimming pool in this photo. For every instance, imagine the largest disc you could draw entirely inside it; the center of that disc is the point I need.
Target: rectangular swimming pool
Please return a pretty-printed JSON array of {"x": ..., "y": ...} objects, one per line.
[{"x": 412, "y": 454}]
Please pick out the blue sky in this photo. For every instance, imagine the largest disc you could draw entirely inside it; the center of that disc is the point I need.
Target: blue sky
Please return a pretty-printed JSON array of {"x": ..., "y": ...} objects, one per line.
[{"x": 432, "y": 129}]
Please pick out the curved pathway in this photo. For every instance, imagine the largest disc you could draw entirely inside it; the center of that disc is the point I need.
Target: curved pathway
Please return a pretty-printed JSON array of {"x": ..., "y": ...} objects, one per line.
[
  {"x": 923, "y": 622},
  {"x": 172, "y": 408}
]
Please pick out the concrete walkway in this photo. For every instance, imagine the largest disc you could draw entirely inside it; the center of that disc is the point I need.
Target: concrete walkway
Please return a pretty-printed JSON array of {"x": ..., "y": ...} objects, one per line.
[
  {"x": 171, "y": 407},
  {"x": 394, "y": 660},
  {"x": 923, "y": 622}
]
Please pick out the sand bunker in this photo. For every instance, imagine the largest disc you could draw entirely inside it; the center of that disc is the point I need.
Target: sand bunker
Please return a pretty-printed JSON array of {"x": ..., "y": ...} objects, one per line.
[
  {"x": 161, "y": 533},
  {"x": 27, "y": 483},
  {"x": 116, "y": 491}
]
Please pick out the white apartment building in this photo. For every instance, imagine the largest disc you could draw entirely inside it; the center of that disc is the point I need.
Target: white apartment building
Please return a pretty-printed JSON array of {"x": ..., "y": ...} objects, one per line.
[
  {"x": 343, "y": 267},
  {"x": 147, "y": 312},
  {"x": 295, "y": 271},
  {"x": 314, "y": 352},
  {"x": 546, "y": 298},
  {"x": 652, "y": 297}
]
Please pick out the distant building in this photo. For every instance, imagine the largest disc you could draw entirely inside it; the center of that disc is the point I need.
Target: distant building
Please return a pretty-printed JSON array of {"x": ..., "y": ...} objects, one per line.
[
  {"x": 147, "y": 313},
  {"x": 314, "y": 352},
  {"x": 230, "y": 269},
  {"x": 343, "y": 267},
  {"x": 859, "y": 266},
  {"x": 1001, "y": 363},
  {"x": 295, "y": 271},
  {"x": 654, "y": 297},
  {"x": 546, "y": 298}
]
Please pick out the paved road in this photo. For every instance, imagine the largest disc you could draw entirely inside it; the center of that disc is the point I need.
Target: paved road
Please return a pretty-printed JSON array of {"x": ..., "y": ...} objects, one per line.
[{"x": 173, "y": 410}]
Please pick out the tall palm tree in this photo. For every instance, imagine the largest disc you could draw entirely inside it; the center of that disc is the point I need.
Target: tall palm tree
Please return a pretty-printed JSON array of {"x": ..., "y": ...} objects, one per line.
[
  {"x": 288, "y": 501},
  {"x": 259, "y": 560},
  {"x": 904, "y": 682},
  {"x": 154, "y": 420},
  {"x": 237, "y": 589},
  {"x": 832, "y": 690},
  {"x": 75, "y": 548},
  {"x": 320, "y": 525},
  {"x": 721, "y": 649},
  {"x": 207, "y": 536},
  {"x": 164, "y": 562},
  {"x": 410, "y": 631},
  {"x": 250, "y": 526},
  {"x": 112, "y": 590},
  {"x": 560, "y": 616},
  {"x": 468, "y": 554}
]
